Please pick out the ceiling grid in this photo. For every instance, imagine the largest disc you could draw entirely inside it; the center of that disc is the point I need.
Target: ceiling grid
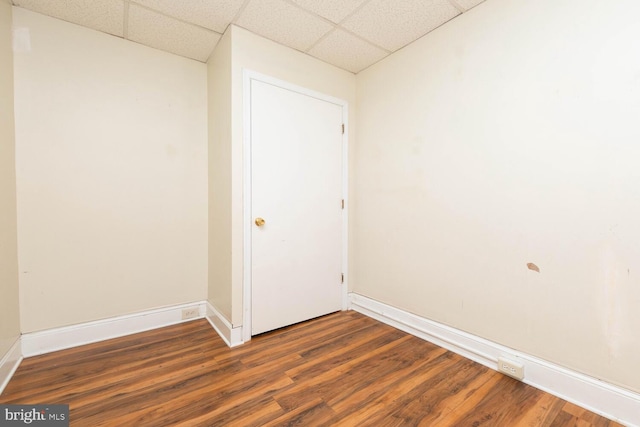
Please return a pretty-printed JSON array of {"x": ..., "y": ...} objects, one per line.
[{"x": 350, "y": 34}]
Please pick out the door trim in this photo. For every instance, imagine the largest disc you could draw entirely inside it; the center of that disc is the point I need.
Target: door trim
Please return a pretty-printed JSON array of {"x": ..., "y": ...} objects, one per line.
[{"x": 248, "y": 77}]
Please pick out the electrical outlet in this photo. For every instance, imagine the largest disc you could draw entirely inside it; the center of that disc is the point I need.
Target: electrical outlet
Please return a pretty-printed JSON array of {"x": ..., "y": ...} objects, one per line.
[
  {"x": 511, "y": 368},
  {"x": 190, "y": 313}
]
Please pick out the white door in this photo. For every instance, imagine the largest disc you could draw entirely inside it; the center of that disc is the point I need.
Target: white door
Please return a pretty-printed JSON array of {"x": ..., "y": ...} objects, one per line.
[{"x": 296, "y": 188}]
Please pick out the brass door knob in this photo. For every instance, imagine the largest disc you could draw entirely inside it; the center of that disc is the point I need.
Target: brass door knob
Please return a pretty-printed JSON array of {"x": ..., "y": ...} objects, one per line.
[{"x": 260, "y": 222}]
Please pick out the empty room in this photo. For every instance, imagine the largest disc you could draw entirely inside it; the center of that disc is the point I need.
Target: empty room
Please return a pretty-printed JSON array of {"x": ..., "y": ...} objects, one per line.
[{"x": 460, "y": 180}]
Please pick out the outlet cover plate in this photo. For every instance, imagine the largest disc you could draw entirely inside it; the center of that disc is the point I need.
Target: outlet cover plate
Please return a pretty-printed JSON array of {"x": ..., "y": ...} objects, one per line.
[
  {"x": 190, "y": 313},
  {"x": 511, "y": 368}
]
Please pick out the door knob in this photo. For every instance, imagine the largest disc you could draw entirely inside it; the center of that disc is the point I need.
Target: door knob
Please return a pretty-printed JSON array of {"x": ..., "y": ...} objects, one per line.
[{"x": 260, "y": 222}]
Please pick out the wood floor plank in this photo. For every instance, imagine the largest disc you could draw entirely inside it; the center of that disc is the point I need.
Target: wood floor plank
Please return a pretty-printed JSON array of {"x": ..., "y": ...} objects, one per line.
[
  {"x": 359, "y": 345},
  {"x": 343, "y": 369},
  {"x": 118, "y": 380},
  {"x": 312, "y": 413},
  {"x": 190, "y": 389},
  {"x": 543, "y": 413},
  {"x": 373, "y": 390},
  {"x": 391, "y": 406},
  {"x": 261, "y": 412},
  {"x": 424, "y": 403},
  {"x": 291, "y": 342},
  {"x": 337, "y": 378},
  {"x": 490, "y": 410}
]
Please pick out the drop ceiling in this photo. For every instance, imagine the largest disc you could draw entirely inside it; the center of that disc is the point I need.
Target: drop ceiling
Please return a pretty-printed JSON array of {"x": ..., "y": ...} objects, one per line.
[{"x": 350, "y": 34}]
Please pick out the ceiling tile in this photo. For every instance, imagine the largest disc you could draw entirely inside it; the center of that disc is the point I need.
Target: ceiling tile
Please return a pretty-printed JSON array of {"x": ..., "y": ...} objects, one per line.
[
  {"x": 283, "y": 23},
  {"x": 161, "y": 32},
  {"x": 394, "y": 24},
  {"x": 102, "y": 15},
  {"x": 333, "y": 10},
  {"x": 213, "y": 14},
  {"x": 347, "y": 51},
  {"x": 468, "y": 4}
]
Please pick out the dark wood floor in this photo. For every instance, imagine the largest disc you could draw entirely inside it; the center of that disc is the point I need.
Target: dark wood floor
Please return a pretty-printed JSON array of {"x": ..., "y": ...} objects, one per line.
[{"x": 342, "y": 369}]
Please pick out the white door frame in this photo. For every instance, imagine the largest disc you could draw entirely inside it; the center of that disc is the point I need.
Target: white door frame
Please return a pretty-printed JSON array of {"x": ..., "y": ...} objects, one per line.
[{"x": 248, "y": 77}]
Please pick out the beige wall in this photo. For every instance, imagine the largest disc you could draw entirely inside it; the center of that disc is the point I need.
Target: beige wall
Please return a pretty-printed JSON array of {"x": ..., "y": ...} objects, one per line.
[
  {"x": 111, "y": 153},
  {"x": 9, "y": 306},
  {"x": 509, "y": 136},
  {"x": 256, "y": 53},
  {"x": 219, "y": 113}
]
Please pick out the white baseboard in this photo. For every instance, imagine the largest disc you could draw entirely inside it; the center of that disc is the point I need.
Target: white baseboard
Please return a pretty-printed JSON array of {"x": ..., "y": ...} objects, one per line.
[
  {"x": 230, "y": 335},
  {"x": 41, "y": 342},
  {"x": 597, "y": 396},
  {"x": 9, "y": 363}
]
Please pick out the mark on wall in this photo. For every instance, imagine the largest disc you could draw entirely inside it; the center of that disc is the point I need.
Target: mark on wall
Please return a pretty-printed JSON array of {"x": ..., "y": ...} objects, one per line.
[
  {"x": 21, "y": 40},
  {"x": 531, "y": 266},
  {"x": 171, "y": 151},
  {"x": 613, "y": 297}
]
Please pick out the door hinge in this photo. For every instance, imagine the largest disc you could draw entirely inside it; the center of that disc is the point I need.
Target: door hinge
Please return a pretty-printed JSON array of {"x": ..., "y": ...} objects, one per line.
[
  {"x": 342, "y": 278},
  {"x": 342, "y": 203},
  {"x": 343, "y": 128}
]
